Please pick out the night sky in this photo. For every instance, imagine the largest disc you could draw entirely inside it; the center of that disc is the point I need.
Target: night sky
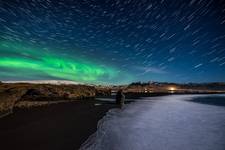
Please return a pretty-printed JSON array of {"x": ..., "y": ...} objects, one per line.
[{"x": 112, "y": 41}]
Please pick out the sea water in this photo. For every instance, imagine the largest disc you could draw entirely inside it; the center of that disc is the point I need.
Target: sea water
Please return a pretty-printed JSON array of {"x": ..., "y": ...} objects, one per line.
[{"x": 174, "y": 122}]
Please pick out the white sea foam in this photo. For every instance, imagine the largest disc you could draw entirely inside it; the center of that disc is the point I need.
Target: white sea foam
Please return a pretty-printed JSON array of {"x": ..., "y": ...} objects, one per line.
[{"x": 162, "y": 123}]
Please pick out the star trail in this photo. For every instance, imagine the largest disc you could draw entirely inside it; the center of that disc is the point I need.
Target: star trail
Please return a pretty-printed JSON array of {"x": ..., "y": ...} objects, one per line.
[{"x": 113, "y": 41}]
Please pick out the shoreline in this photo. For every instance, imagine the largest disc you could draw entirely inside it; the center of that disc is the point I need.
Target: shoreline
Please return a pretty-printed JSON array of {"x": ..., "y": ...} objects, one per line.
[{"x": 65, "y": 125}]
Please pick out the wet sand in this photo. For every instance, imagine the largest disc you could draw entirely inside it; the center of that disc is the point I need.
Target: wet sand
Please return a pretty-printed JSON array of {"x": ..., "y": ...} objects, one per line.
[{"x": 62, "y": 126}]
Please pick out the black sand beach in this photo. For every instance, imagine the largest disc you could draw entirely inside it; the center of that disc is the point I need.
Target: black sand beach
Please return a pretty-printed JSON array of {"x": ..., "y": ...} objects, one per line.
[{"x": 62, "y": 126}]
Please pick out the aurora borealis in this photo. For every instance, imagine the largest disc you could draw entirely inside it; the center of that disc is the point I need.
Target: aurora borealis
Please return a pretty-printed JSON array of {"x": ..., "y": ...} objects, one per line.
[
  {"x": 21, "y": 61},
  {"x": 112, "y": 41}
]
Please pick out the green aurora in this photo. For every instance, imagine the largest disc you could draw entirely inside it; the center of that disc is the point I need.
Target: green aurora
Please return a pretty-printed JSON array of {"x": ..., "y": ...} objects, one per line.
[{"x": 25, "y": 62}]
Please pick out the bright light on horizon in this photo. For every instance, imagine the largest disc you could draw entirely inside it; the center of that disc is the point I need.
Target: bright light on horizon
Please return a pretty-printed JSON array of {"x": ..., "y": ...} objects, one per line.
[{"x": 172, "y": 88}]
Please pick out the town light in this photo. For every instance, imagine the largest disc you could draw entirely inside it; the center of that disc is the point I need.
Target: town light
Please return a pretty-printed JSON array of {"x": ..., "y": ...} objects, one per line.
[{"x": 172, "y": 88}]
